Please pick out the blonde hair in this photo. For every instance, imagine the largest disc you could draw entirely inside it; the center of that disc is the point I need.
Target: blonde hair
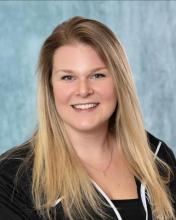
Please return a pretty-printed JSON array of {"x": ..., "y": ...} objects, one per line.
[{"x": 57, "y": 172}]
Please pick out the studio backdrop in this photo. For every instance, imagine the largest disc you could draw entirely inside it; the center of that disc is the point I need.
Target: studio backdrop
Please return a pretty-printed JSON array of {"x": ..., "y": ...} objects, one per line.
[{"x": 147, "y": 30}]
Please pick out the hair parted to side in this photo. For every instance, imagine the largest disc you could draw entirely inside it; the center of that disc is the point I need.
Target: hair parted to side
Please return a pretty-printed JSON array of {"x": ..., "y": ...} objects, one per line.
[{"x": 57, "y": 171}]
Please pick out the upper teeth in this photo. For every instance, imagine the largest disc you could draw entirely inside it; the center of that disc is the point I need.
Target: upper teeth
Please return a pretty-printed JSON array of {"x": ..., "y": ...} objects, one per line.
[{"x": 85, "y": 106}]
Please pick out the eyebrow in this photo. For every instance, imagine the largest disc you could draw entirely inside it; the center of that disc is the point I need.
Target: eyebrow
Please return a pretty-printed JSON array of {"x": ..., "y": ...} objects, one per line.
[{"x": 71, "y": 71}]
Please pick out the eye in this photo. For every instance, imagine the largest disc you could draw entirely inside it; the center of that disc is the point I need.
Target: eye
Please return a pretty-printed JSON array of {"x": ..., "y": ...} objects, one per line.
[
  {"x": 67, "y": 77},
  {"x": 98, "y": 75}
]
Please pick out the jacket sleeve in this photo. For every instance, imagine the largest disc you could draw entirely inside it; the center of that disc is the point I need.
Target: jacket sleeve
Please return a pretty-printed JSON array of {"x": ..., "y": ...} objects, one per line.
[
  {"x": 167, "y": 155},
  {"x": 15, "y": 199}
]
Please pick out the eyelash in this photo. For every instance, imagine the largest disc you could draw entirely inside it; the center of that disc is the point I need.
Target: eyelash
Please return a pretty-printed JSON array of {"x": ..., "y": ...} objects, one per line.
[
  {"x": 69, "y": 76},
  {"x": 99, "y": 74},
  {"x": 64, "y": 77}
]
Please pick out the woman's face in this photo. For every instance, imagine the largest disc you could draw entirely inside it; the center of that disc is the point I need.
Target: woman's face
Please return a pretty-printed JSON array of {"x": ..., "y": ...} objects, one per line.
[{"x": 83, "y": 88}]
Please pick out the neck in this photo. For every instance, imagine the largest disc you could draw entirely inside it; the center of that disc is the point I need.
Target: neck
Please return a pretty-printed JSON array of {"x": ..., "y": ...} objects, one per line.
[{"x": 91, "y": 146}]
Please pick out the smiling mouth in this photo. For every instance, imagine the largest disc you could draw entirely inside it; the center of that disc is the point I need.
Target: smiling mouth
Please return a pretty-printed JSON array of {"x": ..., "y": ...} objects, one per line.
[{"x": 85, "y": 106}]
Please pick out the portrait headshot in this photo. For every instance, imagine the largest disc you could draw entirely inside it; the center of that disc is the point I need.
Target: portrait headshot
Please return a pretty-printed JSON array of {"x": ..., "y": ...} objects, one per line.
[{"x": 88, "y": 110}]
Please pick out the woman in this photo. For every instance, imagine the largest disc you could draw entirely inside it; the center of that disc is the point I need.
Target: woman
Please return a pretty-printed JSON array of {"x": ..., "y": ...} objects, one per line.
[{"x": 90, "y": 157}]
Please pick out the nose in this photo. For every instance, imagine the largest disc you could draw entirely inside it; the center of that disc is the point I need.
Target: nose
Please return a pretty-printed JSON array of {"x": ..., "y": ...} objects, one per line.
[{"x": 84, "y": 88}]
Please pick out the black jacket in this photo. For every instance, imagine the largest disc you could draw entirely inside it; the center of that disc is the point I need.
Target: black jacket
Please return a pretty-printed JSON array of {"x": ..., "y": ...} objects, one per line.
[{"x": 16, "y": 199}]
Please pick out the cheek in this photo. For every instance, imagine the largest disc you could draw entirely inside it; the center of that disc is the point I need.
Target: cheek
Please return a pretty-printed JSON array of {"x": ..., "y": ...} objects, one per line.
[
  {"x": 61, "y": 95},
  {"x": 109, "y": 93}
]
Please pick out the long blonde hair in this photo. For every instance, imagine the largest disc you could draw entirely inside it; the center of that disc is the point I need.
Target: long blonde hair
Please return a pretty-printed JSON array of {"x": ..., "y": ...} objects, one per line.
[{"x": 57, "y": 172}]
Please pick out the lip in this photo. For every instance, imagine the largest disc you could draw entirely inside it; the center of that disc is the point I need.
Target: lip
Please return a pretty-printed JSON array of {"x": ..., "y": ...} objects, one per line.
[
  {"x": 85, "y": 103},
  {"x": 85, "y": 110}
]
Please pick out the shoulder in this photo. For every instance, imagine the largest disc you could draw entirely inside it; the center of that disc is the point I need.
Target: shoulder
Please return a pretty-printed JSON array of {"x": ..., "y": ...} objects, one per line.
[
  {"x": 162, "y": 150},
  {"x": 15, "y": 184},
  {"x": 167, "y": 155},
  {"x": 14, "y": 160}
]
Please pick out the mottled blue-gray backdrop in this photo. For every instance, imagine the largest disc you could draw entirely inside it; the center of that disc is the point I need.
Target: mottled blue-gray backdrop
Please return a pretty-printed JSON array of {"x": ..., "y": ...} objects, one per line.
[{"x": 146, "y": 28}]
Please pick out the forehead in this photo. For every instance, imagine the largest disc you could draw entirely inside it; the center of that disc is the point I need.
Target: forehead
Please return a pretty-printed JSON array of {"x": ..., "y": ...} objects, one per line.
[{"x": 77, "y": 56}]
